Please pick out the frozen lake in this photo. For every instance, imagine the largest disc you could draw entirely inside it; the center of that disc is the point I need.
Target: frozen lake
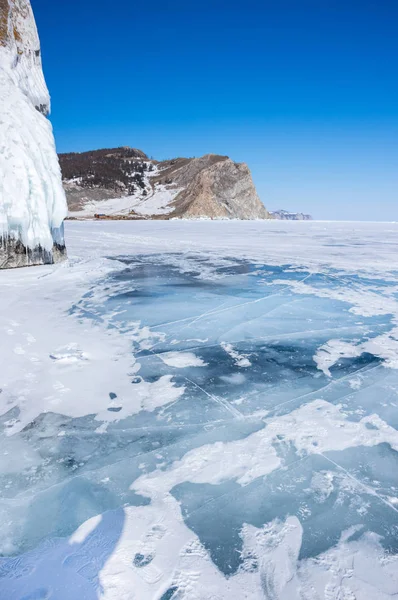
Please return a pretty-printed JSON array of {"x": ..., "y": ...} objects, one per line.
[{"x": 202, "y": 410}]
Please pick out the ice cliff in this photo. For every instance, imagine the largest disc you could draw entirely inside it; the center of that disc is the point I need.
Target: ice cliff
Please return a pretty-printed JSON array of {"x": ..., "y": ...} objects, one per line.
[{"x": 32, "y": 200}]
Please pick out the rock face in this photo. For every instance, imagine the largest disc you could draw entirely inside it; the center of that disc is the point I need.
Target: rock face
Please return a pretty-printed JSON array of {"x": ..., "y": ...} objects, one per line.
[
  {"x": 125, "y": 183},
  {"x": 216, "y": 187},
  {"x": 285, "y": 215},
  {"x": 32, "y": 200}
]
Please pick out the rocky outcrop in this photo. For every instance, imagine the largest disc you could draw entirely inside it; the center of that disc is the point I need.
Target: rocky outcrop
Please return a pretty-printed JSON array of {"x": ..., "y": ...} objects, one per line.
[
  {"x": 32, "y": 200},
  {"x": 13, "y": 254},
  {"x": 218, "y": 188},
  {"x": 211, "y": 187},
  {"x": 285, "y": 215}
]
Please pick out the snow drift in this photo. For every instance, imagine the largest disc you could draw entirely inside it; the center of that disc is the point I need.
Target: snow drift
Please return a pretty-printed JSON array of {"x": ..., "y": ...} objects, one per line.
[{"x": 32, "y": 200}]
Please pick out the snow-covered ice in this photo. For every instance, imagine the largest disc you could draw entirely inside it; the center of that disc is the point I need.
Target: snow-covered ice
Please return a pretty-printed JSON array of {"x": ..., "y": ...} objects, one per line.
[{"x": 202, "y": 410}]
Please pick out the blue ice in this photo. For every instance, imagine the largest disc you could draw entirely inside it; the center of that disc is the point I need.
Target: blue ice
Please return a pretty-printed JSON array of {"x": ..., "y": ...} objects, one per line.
[{"x": 256, "y": 339}]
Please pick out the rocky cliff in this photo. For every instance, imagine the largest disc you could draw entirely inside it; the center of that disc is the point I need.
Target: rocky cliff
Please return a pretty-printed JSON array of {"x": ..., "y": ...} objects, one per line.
[
  {"x": 32, "y": 201},
  {"x": 216, "y": 187},
  {"x": 125, "y": 183}
]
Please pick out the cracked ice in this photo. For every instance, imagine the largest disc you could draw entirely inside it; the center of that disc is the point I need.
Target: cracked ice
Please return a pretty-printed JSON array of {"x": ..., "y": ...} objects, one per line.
[{"x": 201, "y": 411}]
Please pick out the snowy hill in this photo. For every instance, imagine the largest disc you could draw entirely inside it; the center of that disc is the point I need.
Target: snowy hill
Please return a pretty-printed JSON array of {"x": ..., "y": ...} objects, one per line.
[
  {"x": 125, "y": 183},
  {"x": 32, "y": 201}
]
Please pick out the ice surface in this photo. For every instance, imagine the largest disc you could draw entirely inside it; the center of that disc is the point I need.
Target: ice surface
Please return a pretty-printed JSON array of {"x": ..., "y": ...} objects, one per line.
[{"x": 188, "y": 417}]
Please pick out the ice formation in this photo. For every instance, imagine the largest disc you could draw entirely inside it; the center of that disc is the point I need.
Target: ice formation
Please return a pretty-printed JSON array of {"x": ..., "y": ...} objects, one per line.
[
  {"x": 202, "y": 410},
  {"x": 32, "y": 200}
]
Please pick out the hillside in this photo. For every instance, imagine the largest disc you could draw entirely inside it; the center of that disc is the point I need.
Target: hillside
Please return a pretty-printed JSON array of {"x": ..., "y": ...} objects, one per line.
[{"x": 126, "y": 183}]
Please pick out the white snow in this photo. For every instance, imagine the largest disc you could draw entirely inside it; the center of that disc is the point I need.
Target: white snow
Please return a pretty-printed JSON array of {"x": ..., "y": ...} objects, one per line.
[
  {"x": 156, "y": 202},
  {"x": 32, "y": 200},
  {"x": 181, "y": 360},
  {"x": 81, "y": 534},
  {"x": 348, "y": 247},
  {"x": 384, "y": 346},
  {"x": 240, "y": 359},
  {"x": 328, "y": 354}
]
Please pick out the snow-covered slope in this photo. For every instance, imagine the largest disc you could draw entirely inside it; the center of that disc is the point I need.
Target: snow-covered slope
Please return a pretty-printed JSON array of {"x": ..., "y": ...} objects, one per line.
[{"x": 32, "y": 200}]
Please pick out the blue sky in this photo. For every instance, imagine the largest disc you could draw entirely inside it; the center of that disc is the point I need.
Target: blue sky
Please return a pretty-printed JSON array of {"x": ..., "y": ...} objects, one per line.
[{"x": 304, "y": 91}]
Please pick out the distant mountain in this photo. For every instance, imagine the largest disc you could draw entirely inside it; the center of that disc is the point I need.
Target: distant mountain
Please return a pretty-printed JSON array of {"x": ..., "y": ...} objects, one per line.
[
  {"x": 126, "y": 183},
  {"x": 285, "y": 215}
]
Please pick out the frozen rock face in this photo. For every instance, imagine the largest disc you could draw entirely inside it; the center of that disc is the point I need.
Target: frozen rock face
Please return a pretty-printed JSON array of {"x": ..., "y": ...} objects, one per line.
[
  {"x": 124, "y": 183},
  {"x": 32, "y": 200}
]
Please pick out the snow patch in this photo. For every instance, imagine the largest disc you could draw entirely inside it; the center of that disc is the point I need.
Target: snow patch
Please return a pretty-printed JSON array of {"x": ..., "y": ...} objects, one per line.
[
  {"x": 157, "y": 201},
  {"x": 82, "y": 533},
  {"x": 383, "y": 346},
  {"x": 181, "y": 360},
  {"x": 241, "y": 360}
]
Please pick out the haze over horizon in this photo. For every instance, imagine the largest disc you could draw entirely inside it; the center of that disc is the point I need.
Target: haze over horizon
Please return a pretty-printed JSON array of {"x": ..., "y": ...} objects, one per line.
[{"x": 305, "y": 93}]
